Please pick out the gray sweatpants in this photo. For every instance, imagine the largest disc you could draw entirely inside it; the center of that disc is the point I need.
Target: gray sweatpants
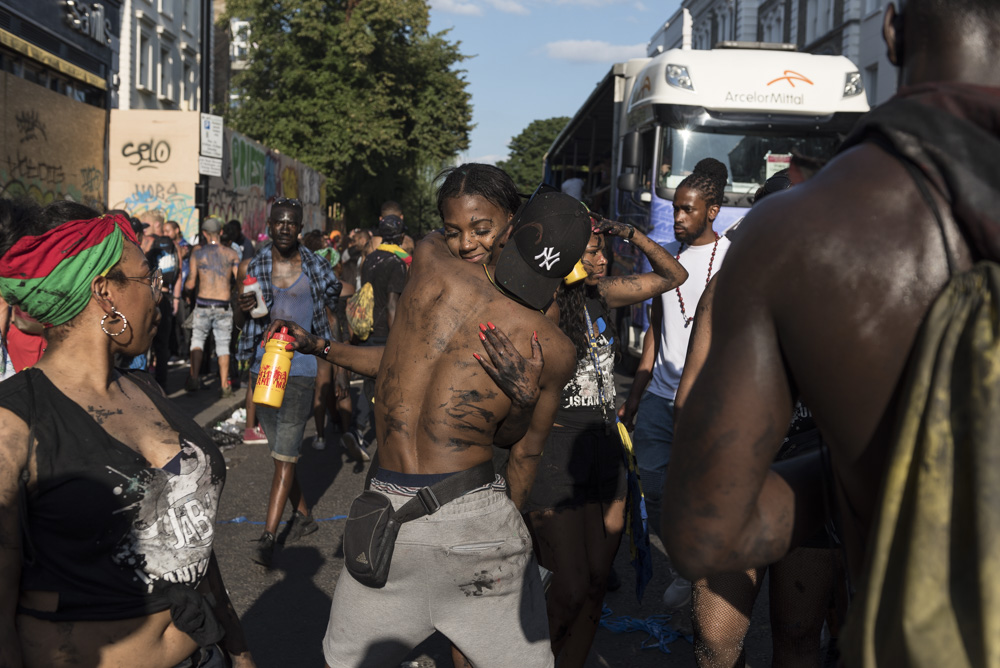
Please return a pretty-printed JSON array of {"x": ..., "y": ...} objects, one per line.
[{"x": 467, "y": 571}]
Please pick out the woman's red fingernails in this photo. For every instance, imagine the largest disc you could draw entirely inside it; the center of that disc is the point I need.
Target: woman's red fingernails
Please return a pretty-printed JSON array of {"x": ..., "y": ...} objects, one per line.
[
  {"x": 536, "y": 335},
  {"x": 491, "y": 325},
  {"x": 482, "y": 327},
  {"x": 482, "y": 336},
  {"x": 476, "y": 355}
]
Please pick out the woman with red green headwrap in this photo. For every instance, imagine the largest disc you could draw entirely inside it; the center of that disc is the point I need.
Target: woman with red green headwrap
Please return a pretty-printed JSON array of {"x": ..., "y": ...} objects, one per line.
[{"x": 108, "y": 494}]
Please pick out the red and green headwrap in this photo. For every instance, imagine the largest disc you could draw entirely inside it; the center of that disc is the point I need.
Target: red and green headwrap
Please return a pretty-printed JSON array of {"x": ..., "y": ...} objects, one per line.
[{"x": 48, "y": 276}]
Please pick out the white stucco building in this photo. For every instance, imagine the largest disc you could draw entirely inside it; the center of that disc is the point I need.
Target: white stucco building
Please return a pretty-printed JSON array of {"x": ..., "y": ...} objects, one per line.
[
  {"x": 160, "y": 57},
  {"x": 851, "y": 28}
]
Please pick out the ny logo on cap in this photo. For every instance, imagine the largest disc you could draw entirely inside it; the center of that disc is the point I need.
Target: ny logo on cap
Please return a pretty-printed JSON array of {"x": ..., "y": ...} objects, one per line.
[{"x": 548, "y": 258}]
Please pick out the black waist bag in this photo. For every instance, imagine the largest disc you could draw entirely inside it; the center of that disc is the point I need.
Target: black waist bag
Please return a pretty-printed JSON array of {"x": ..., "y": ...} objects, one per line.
[{"x": 372, "y": 523}]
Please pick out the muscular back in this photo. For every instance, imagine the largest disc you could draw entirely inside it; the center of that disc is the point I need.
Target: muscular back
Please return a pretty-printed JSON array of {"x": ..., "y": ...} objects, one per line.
[
  {"x": 216, "y": 268},
  {"x": 824, "y": 295},
  {"x": 436, "y": 410}
]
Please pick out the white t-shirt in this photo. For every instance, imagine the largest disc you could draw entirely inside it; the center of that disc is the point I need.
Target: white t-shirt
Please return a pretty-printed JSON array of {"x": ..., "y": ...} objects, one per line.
[
  {"x": 573, "y": 187},
  {"x": 675, "y": 334}
]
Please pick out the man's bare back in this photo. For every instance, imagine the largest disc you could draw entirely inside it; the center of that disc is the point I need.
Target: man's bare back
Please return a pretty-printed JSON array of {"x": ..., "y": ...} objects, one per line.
[
  {"x": 213, "y": 266},
  {"x": 841, "y": 286},
  {"x": 436, "y": 409}
]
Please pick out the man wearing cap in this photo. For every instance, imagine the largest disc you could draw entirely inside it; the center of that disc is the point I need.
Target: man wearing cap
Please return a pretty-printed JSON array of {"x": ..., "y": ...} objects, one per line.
[
  {"x": 466, "y": 569},
  {"x": 213, "y": 269},
  {"x": 385, "y": 269}
]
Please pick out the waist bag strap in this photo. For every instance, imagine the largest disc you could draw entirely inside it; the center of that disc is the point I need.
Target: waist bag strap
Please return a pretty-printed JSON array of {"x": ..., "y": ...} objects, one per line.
[{"x": 429, "y": 499}]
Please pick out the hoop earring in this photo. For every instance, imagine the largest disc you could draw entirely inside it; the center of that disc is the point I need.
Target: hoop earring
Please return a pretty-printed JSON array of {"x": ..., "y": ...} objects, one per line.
[{"x": 118, "y": 314}]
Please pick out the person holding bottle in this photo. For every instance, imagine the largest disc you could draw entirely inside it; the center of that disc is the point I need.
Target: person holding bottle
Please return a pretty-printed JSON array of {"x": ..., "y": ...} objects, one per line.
[{"x": 300, "y": 286}]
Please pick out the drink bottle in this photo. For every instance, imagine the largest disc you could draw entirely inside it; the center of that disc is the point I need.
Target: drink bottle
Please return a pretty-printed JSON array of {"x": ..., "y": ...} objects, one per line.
[
  {"x": 250, "y": 284},
  {"x": 274, "y": 367}
]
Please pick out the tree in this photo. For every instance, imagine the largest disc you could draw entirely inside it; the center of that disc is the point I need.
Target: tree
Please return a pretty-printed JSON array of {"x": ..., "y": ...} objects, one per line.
[
  {"x": 527, "y": 151},
  {"x": 358, "y": 90}
]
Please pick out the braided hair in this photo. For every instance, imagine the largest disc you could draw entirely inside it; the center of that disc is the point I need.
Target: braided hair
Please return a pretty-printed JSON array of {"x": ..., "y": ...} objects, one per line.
[
  {"x": 709, "y": 178},
  {"x": 473, "y": 178}
]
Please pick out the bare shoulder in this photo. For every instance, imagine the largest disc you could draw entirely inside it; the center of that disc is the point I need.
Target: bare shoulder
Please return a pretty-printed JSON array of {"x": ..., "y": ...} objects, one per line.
[
  {"x": 557, "y": 349},
  {"x": 13, "y": 446},
  {"x": 430, "y": 249},
  {"x": 231, "y": 254}
]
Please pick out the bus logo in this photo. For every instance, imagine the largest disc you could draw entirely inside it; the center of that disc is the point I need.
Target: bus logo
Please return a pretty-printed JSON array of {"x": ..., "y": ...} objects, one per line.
[
  {"x": 791, "y": 77},
  {"x": 645, "y": 89}
]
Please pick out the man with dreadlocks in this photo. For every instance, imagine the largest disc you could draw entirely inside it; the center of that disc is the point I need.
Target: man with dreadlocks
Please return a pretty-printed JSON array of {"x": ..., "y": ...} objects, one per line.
[
  {"x": 700, "y": 251},
  {"x": 872, "y": 291}
]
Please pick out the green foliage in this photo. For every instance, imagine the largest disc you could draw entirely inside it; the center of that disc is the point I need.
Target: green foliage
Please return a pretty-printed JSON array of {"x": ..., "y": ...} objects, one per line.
[
  {"x": 359, "y": 90},
  {"x": 527, "y": 150}
]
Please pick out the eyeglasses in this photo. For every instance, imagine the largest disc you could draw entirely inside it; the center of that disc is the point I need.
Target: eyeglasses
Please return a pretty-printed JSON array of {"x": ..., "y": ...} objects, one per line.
[{"x": 155, "y": 279}]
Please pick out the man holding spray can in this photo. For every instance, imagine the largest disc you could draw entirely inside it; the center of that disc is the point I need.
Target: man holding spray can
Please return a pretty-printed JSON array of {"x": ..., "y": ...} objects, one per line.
[{"x": 300, "y": 286}]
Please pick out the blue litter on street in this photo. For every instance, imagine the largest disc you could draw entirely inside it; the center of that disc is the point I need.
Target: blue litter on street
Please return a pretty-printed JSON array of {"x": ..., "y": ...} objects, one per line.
[{"x": 659, "y": 633}]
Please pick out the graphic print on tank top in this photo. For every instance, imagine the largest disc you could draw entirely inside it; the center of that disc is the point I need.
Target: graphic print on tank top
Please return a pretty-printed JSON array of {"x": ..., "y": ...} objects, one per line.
[
  {"x": 582, "y": 391},
  {"x": 172, "y": 512}
]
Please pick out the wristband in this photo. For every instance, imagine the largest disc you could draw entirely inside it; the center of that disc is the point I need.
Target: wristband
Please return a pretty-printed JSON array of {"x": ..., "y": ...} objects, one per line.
[
  {"x": 326, "y": 349},
  {"x": 631, "y": 232}
]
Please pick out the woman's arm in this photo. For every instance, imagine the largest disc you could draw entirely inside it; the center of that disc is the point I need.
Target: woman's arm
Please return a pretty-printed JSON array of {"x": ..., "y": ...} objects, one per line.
[
  {"x": 13, "y": 458},
  {"x": 667, "y": 272},
  {"x": 234, "y": 642}
]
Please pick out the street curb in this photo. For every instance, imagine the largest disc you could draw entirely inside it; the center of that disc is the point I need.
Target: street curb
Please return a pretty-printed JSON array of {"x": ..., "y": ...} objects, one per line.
[{"x": 219, "y": 411}]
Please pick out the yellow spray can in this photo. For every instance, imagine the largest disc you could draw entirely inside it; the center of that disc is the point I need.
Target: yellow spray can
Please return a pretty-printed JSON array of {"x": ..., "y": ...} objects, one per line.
[{"x": 274, "y": 367}]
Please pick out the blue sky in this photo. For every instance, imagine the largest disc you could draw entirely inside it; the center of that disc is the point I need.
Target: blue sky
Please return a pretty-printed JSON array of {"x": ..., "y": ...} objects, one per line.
[{"x": 540, "y": 58}]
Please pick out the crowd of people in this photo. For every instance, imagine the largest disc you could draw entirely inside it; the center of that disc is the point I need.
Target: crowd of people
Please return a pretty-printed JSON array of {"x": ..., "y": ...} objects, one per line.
[{"x": 816, "y": 399}]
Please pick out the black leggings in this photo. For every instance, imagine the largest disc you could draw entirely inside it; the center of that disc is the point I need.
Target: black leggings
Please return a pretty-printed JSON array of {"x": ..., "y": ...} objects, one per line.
[{"x": 161, "y": 342}]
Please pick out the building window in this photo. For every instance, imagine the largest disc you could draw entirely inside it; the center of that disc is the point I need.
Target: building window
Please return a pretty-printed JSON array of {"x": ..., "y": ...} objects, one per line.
[
  {"x": 166, "y": 73},
  {"x": 167, "y": 8},
  {"x": 186, "y": 17},
  {"x": 871, "y": 84},
  {"x": 872, "y": 6},
  {"x": 145, "y": 57}
]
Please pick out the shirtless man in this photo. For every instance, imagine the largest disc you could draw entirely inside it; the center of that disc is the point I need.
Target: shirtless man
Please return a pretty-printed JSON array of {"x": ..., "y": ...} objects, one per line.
[
  {"x": 824, "y": 296},
  {"x": 213, "y": 270},
  {"x": 467, "y": 570}
]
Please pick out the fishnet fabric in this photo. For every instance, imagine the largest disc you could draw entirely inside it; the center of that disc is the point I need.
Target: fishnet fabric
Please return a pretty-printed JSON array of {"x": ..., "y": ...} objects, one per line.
[{"x": 801, "y": 592}]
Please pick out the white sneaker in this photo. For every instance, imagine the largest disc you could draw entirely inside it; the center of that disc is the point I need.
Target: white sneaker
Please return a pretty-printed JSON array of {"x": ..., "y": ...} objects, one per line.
[
  {"x": 319, "y": 443},
  {"x": 677, "y": 594}
]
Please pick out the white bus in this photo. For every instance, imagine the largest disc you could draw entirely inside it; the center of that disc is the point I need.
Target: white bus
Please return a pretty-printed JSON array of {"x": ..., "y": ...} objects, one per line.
[{"x": 649, "y": 122}]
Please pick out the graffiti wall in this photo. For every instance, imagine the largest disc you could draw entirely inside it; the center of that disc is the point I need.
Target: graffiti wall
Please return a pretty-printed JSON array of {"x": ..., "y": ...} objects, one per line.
[
  {"x": 154, "y": 164},
  {"x": 51, "y": 147},
  {"x": 253, "y": 176}
]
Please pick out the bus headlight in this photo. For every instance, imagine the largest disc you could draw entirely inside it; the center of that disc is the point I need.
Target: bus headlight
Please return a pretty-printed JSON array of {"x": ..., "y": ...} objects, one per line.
[
  {"x": 678, "y": 77},
  {"x": 853, "y": 84}
]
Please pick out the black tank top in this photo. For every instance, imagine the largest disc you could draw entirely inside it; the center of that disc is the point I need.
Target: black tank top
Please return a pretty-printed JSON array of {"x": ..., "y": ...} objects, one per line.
[{"x": 105, "y": 530}]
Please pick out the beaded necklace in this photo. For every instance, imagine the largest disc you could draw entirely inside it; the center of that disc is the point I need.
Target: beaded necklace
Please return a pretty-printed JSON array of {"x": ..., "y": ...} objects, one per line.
[{"x": 711, "y": 261}]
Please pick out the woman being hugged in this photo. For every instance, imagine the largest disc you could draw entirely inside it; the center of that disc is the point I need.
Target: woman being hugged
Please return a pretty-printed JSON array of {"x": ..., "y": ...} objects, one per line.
[
  {"x": 577, "y": 504},
  {"x": 108, "y": 493}
]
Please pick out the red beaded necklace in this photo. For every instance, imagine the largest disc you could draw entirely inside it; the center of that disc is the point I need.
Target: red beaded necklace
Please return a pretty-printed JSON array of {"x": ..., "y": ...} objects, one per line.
[{"x": 711, "y": 261}]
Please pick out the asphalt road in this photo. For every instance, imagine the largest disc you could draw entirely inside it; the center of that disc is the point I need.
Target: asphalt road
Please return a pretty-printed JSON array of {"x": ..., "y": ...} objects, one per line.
[{"x": 285, "y": 610}]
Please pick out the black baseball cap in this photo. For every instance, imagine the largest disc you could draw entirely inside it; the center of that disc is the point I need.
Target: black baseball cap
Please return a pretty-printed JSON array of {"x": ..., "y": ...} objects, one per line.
[{"x": 550, "y": 232}]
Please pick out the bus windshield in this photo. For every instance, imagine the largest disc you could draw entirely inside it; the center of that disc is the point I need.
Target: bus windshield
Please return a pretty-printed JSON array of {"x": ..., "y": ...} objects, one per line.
[{"x": 750, "y": 158}]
